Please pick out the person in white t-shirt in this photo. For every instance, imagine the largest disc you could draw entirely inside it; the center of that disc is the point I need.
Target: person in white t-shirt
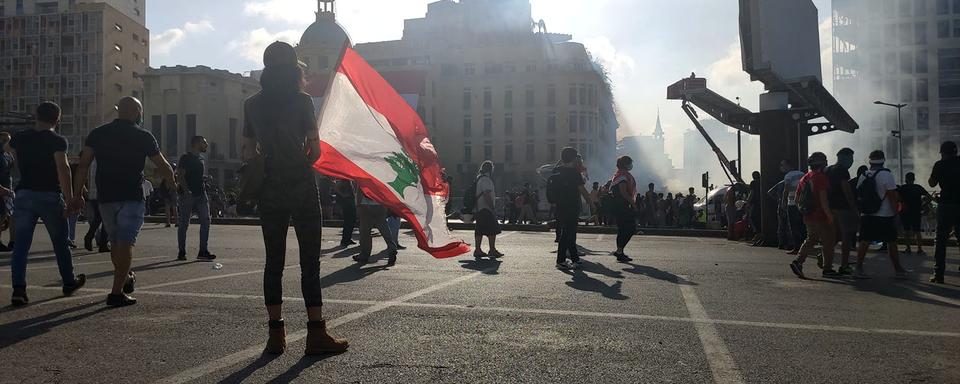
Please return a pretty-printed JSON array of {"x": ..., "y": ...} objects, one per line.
[
  {"x": 791, "y": 180},
  {"x": 486, "y": 217},
  {"x": 880, "y": 225}
]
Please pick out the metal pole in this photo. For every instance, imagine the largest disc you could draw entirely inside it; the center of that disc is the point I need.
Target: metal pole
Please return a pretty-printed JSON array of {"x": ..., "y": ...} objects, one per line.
[
  {"x": 900, "y": 140},
  {"x": 739, "y": 153}
]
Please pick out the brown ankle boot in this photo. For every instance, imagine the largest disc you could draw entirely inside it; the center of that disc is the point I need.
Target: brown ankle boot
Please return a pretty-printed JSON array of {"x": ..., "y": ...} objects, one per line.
[
  {"x": 319, "y": 342},
  {"x": 277, "y": 342}
]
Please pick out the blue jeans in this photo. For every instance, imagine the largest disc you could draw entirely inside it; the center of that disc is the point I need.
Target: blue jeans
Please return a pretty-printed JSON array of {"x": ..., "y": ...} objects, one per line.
[
  {"x": 393, "y": 224},
  {"x": 49, "y": 206},
  {"x": 188, "y": 206},
  {"x": 122, "y": 220}
]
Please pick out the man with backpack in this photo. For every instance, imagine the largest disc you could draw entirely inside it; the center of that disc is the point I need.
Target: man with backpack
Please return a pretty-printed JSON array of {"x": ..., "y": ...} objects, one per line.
[
  {"x": 565, "y": 189},
  {"x": 945, "y": 174},
  {"x": 814, "y": 205},
  {"x": 487, "y": 225},
  {"x": 844, "y": 206},
  {"x": 877, "y": 200}
]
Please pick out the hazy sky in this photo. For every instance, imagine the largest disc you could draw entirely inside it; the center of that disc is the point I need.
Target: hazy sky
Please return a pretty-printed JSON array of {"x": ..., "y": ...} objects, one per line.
[{"x": 647, "y": 44}]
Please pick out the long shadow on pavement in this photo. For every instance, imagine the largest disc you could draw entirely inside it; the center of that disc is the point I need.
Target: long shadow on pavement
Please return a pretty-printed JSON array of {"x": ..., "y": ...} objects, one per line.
[
  {"x": 139, "y": 268},
  {"x": 581, "y": 281},
  {"x": 487, "y": 266},
  {"x": 655, "y": 273},
  {"x": 21, "y": 330},
  {"x": 294, "y": 372},
  {"x": 250, "y": 369},
  {"x": 351, "y": 273}
]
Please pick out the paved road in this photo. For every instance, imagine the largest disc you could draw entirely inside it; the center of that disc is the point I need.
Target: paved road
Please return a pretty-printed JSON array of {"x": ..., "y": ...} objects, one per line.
[{"x": 687, "y": 310}]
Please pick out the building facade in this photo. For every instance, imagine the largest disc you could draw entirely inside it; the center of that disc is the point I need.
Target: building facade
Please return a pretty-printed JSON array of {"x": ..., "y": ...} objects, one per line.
[
  {"x": 84, "y": 56},
  {"x": 182, "y": 102},
  {"x": 903, "y": 51},
  {"x": 490, "y": 85}
]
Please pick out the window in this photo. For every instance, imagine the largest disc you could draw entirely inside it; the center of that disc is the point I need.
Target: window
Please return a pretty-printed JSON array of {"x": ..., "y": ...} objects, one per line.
[
  {"x": 552, "y": 151},
  {"x": 172, "y": 135},
  {"x": 118, "y": 67},
  {"x": 508, "y": 124},
  {"x": 551, "y": 122},
  {"x": 508, "y": 152},
  {"x": 573, "y": 94},
  {"x": 530, "y": 97},
  {"x": 583, "y": 94},
  {"x": 906, "y": 90},
  {"x": 118, "y": 27},
  {"x": 469, "y": 69},
  {"x": 920, "y": 8},
  {"x": 531, "y": 129},
  {"x": 906, "y": 62},
  {"x": 923, "y": 118},
  {"x": 508, "y": 98},
  {"x": 467, "y": 128},
  {"x": 551, "y": 96},
  {"x": 467, "y": 152},
  {"x": 487, "y": 98},
  {"x": 923, "y": 90},
  {"x": 922, "y": 66},
  {"x": 905, "y": 8},
  {"x": 191, "y": 130},
  {"x": 943, "y": 7},
  {"x": 487, "y": 125},
  {"x": 156, "y": 129},
  {"x": 117, "y": 47},
  {"x": 487, "y": 150},
  {"x": 466, "y": 98},
  {"x": 583, "y": 122},
  {"x": 943, "y": 29},
  {"x": 572, "y": 121},
  {"x": 531, "y": 151},
  {"x": 920, "y": 30},
  {"x": 233, "y": 138}
]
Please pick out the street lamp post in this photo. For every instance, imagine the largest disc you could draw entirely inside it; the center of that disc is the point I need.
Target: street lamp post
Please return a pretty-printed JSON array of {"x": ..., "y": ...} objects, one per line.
[{"x": 898, "y": 133}]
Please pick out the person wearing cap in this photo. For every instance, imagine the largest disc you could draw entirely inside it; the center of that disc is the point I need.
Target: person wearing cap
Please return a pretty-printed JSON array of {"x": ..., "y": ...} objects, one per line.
[
  {"x": 817, "y": 216},
  {"x": 944, "y": 175},
  {"x": 280, "y": 126},
  {"x": 880, "y": 226}
]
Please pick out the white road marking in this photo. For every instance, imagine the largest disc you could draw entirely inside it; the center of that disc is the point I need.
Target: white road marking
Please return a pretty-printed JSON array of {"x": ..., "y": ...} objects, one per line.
[
  {"x": 721, "y": 362},
  {"x": 600, "y": 237},
  {"x": 237, "y": 357}
]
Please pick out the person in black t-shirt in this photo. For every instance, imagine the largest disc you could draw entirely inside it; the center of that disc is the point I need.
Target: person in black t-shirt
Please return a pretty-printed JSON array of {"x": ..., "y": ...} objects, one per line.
[
  {"x": 843, "y": 205},
  {"x": 945, "y": 174},
  {"x": 45, "y": 187},
  {"x": 570, "y": 190},
  {"x": 912, "y": 195},
  {"x": 120, "y": 149},
  {"x": 193, "y": 199}
]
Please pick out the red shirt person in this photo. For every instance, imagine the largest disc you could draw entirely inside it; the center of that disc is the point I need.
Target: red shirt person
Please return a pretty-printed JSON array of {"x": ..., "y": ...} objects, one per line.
[{"x": 813, "y": 204}]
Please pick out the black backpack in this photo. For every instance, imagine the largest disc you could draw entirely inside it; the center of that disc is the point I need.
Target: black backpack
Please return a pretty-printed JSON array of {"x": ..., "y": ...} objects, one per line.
[
  {"x": 807, "y": 201},
  {"x": 554, "y": 188},
  {"x": 867, "y": 199},
  {"x": 470, "y": 197}
]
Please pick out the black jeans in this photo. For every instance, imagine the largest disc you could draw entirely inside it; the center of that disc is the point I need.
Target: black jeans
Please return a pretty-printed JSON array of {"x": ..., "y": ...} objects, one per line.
[
  {"x": 349, "y": 220},
  {"x": 567, "y": 228},
  {"x": 626, "y": 227},
  {"x": 798, "y": 231},
  {"x": 948, "y": 218},
  {"x": 297, "y": 201}
]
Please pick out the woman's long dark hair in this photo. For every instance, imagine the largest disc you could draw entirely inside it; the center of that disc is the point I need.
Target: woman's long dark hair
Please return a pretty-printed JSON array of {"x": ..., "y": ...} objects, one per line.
[{"x": 283, "y": 80}]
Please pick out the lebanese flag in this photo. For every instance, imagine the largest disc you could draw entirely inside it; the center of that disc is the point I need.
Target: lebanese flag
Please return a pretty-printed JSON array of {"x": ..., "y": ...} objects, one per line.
[{"x": 370, "y": 135}]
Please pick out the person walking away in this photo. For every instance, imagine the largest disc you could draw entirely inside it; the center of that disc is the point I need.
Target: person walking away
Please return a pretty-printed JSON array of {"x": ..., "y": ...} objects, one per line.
[
  {"x": 6, "y": 192},
  {"x": 754, "y": 200},
  {"x": 625, "y": 192},
  {"x": 348, "y": 206},
  {"x": 791, "y": 180},
  {"x": 944, "y": 175},
  {"x": 120, "y": 149},
  {"x": 280, "y": 120},
  {"x": 569, "y": 187},
  {"x": 912, "y": 195},
  {"x": 486, "y": 219},
  {"x": 193, "y": 199},
  {"x": 94, "y": 219},
  {"x": 844, "y": 206},
  {"x": 147, "y": 192},
  {"x": 877, "y": 200},
  {"x": 373, "y": 215},
  {"x": 45, "y": 187},
  {"x": 813, "y": 203}
]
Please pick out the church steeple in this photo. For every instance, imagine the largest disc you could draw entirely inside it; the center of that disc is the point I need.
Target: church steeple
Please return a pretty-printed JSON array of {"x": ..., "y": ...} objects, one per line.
[
  {"x": 325, "y": 10},
  {"x": 658, "y": 131}
]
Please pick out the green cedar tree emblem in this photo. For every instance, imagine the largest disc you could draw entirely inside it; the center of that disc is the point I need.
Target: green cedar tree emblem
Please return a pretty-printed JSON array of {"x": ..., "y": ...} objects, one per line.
[{"x": 408, "y": 174}]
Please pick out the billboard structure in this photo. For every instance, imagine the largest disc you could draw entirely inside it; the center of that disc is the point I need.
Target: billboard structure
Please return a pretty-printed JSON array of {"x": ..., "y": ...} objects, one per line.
[{"x": 780, "y": 41}]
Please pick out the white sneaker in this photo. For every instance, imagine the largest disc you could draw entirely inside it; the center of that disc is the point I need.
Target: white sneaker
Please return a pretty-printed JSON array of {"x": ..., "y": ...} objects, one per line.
[{"x": 566, "y": 265}]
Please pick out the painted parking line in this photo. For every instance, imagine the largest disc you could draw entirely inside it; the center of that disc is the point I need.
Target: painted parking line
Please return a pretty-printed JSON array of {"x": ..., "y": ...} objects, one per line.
[
  {"x": 256, "y": 350},
  {"x": 721, "y": 362}
]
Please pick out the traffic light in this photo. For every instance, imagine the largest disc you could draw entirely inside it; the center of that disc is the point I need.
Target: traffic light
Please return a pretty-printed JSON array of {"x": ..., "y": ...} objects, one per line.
[{"x": 706, "y": 180}]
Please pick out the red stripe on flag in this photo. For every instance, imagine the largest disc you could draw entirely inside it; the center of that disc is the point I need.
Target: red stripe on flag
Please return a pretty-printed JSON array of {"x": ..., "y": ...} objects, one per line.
[
  {"x": 337, "y": 165},
  {"x": 377, "y": 93}
]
